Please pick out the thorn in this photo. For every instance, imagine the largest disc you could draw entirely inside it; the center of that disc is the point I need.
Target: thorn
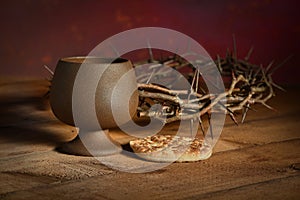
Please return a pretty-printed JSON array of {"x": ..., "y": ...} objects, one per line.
[
  {"x": 150, "y": 51},
  {"x": 254, "y": 76},
  {"x": 233, "y": 75},
  {"x": 49, "y": 70},
  {"x": 147, "y": 82},
  {"x": 269, "y": 66},
  {"x": 197, "y": 80},
  {"x": 250, "y": 108},
  {"x": 191, "y": 127},
  {"x": 249, "y": 53},
  {"x": 192, "y": 85},
  {"x": 219, "y": 64},
  {"x": 234, "y": 48},
  {"x": 233, "y": 118},
  {"x": 257, "y": 72},
  {"x": 225, "y": 107},
  {"x": 245, "y": 112},
  {"x": 210, "y": 127},
  {"x": 202, "y": 90},
  {"x": 231, "y": 114},
  {"x": 201, "y": 125},
  {"x": 281, "y": 64},
  {"x": 263, "y": 72},
  {"x": 115, "y": 50},
  {"x": 270, "y": 107},
  {"x": 278, "y": 87},
  {"x": 227, "y": 53},
  {"x": 194, "y": 78},
  {"x": 250, "y": 74}
]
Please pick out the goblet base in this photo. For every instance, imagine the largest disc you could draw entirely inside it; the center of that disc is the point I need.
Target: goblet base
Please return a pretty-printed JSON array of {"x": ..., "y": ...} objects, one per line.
[{"x": 91, "y": 143}]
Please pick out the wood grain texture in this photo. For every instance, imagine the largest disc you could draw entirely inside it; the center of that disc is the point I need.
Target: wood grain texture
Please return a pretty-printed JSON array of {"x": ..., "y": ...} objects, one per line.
[{"x": 255, "y": 160}]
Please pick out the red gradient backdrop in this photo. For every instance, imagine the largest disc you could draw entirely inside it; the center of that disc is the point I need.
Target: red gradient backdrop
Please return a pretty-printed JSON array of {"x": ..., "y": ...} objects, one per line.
[{"x": 34, "y": 33}]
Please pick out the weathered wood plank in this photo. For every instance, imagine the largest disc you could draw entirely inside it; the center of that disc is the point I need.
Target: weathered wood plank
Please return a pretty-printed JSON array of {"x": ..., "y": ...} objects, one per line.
[
  {"x": 224, "y": 171},
  {"x": 11, "y": 182},
  {"x": 281, "y": 188},
  {"x": 251, "y": 160}
]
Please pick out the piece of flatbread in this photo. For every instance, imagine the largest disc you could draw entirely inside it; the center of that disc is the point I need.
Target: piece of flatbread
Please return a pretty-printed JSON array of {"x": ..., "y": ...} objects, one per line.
[{"x": 168, "y": 148}]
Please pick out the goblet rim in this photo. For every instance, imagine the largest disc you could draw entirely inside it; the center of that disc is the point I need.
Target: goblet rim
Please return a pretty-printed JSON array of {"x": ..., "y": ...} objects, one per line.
[{"x": 93, "y": 60}]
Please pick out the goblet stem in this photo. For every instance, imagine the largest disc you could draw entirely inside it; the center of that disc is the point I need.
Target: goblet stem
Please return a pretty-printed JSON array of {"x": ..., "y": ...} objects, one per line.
[{"x": 91, "y": 143}]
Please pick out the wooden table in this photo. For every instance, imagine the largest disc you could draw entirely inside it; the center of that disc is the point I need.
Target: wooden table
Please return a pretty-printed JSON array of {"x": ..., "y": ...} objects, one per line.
[{"x": 259, "y": 159}]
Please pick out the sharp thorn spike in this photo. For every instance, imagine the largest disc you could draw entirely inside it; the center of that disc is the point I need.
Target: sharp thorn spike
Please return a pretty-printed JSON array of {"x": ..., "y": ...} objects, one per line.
[
  {"x": 270, "y": 107},
  {"x": 210, "y": 127},
  {"x": 219, "y": 64},
  {"x": 233, "y": 118},
  {"x": 115, "y": 50},
  {"x": 234, "y": 48},
  {"x": 201, "y": 125},
  {"x": 249, "y": 53},
  {"x": 281, "y": 64},
  {"x": 147, "y": 82},
  {"x": 197, "y": 80},
  {"x": 150, "y": 51},
  {"x": 49, "y": 70},
  {"x": 245, "y": 113},
  {"x": 250, "y": 108},
  {"x": 278, "y": 87},
  {"x": 269, "y": 66},
  {"x": 191, "y": 127}
]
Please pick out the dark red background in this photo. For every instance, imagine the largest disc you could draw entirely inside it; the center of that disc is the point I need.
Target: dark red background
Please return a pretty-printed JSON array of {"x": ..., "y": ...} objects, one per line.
[{"x": 34, "y": 33}]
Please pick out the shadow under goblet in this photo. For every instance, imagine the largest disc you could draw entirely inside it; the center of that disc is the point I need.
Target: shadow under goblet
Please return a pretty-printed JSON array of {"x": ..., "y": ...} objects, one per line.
[{"x": 93, "y": 135}]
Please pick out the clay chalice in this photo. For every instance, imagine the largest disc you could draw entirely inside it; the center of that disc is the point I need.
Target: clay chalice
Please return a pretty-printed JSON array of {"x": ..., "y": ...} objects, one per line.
[{"x": 93, "y": 138}]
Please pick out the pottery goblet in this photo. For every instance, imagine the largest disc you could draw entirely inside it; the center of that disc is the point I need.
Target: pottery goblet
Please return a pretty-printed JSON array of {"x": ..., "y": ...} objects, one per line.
[{"x": 109, "y": 93}]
